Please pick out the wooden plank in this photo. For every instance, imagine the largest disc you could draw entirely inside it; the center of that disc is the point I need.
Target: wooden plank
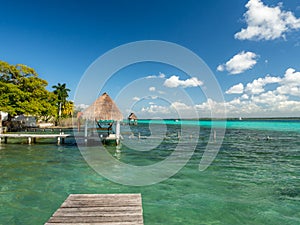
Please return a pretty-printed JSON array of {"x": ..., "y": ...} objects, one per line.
[
  {"x": 94, "y": 219},
  {"x": 105, "y": 202},
  {"x": 99, "y": 209},
  {"x": 97, "y": 213},
  {"x": 99, "y": 223}
]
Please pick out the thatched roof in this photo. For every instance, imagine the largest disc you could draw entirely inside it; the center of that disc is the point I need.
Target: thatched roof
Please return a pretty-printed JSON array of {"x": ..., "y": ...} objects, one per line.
[
  {"x": 103, "y": 108},
  {"x": 132, "y": 116}
]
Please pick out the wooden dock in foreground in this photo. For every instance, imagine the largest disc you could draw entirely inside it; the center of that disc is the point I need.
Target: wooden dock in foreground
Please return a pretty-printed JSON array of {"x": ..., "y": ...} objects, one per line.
[{"x": 99, "y": 209}]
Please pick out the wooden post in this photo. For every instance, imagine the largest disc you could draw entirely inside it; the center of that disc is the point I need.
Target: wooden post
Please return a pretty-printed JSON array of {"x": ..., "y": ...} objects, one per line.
[
  {"x": 29, "y": 140},
  {"x": 58, "y": 140},
  {"x": 118, "y": 132},
  {"x": 215, "y": 135},
  {"x": 85, "y": 130}
]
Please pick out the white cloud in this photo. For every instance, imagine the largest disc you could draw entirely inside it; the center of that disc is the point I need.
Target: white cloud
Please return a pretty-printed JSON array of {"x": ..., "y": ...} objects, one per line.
[
  {"x": 81, "y": 107},
  {"x": 174, "y": 82},
  {"x": 236, "y": 89},
  {"x": 156, "y": 109},
  {"x": 151, "y": 77},
  {"x": 269, "y": 98},
  {"x": 181, "y": 106},
  {"x": 244, "y": 96},
  {"x": 290, "y": 83},
  {"x": 257, "y": 85},
  {"x": 161, "y": 75},
  {"x": 257, "y": 99},
  {"x": 239, "y": 63},
  {"x": 136, "y": 98},
  {"x": 265, "y": 22},
  {"x": 280, "y": 106},
  {"x": 152, "y": 88}
]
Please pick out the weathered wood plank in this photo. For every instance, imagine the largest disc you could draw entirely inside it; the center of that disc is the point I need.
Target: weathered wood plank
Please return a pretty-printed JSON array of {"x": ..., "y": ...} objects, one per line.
[
  {"x": 72, "y": 204},
  {"x": 100, "y": 223},
  {"x": 101, "y": 209},
  {"x": 120, "y": 196},
  {"x": 93, "y": 219},
  {"x": 102, "y": 213}
]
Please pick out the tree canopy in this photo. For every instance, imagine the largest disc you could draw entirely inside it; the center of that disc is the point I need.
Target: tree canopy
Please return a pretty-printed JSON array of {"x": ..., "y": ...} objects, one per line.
[{"x": 23, "y": 92}]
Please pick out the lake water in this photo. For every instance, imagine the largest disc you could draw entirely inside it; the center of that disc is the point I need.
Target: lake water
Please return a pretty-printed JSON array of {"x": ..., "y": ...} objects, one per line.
[{"x": 255, "y": 178}]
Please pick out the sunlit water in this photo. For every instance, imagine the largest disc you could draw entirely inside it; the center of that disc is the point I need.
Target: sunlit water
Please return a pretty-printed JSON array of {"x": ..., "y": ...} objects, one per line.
[{"x": 253, "y": 180}]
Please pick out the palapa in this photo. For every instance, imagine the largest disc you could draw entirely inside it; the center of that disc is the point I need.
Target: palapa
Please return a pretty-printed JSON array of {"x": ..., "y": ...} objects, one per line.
[
  {"x": 104, "y": 108},
  {"x": 132, "y": 116}
]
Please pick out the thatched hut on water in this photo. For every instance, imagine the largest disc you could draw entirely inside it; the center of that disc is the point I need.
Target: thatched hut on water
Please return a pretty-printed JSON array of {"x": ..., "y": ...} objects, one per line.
[
  {"x": 132, "y": 119},
  {"x": 104, "y": 109}
]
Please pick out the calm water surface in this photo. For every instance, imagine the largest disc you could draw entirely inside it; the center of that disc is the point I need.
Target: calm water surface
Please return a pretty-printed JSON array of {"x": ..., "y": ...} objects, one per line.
[{"x": 253, "y": 180}]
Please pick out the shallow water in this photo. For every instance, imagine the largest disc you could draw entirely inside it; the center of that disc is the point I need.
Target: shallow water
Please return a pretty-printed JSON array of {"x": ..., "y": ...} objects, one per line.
[{"x": 253, "y": 180}]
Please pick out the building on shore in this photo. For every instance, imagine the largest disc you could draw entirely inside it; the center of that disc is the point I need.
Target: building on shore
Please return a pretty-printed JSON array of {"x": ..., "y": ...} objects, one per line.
[{"x": 132, "y": 119}]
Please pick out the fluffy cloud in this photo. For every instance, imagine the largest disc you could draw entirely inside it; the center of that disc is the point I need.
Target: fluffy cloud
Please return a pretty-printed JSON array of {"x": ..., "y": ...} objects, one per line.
[
  {"x": 81, "y": 107},
  {"x": 136, "y": 98},
  {"x": 257, "y": 85},
  {"x": 152, "y": 88},
  {"x": 236, "y": 89},
  {"x": 181, "y": 106},
  {"x": 269, "y": 98},
  {"x": 268, "y": 23},
  {"x": 290, "y": 84},
  {"x": 256, "y": 100},
  {"x": 258, "y": 106},
  {"x": 156, "y": 109},
  {"x": 161, "y": 75},
  {"x": 239, "y": 63},
  {"x": 174, "y": 82}
]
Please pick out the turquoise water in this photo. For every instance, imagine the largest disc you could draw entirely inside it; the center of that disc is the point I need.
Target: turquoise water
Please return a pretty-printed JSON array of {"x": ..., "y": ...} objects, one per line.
[
  {"x": 253, "y": 180},
  {"x": 279, "y": 125}
]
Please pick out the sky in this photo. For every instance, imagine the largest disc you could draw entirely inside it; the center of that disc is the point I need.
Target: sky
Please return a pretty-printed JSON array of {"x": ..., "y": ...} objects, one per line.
[{"x": 251, "y": 47}]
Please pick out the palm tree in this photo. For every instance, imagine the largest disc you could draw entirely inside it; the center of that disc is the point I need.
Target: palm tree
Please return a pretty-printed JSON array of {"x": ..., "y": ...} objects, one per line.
[{"x": 62, "y": 94}]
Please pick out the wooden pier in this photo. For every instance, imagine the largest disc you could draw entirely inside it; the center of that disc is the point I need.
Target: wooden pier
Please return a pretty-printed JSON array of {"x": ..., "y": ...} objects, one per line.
[
  {"x": 99, "y": 209},
  {"x": 31, "y": 138}
]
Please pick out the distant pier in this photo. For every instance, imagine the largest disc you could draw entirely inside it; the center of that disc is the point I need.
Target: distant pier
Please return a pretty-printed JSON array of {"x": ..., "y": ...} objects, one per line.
[{"x": 31, "y": 138}]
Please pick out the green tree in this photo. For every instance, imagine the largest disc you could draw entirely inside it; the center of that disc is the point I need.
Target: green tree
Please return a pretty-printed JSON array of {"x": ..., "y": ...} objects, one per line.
[
  {"x": 68, "y": 109},
  {"x": 61, "y": 91},
  {"x": 23, "y": 92}
]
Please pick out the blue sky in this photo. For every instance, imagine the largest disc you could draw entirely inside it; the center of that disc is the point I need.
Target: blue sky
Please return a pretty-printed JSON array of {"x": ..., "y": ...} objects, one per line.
[{"x": 252, "y": 47}]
